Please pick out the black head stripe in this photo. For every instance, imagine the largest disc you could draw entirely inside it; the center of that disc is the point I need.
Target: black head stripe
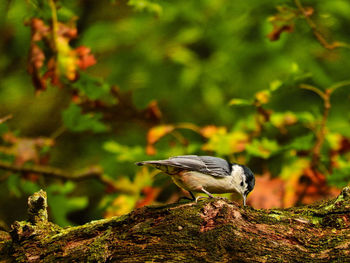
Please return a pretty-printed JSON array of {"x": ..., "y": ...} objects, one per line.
[
  {"x": 229, "y": 165},
  {"x": 250, "y": 179}
]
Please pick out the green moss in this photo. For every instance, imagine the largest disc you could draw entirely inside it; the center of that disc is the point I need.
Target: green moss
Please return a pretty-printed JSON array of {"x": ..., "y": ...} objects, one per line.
[{"x": 97, "y": 250}]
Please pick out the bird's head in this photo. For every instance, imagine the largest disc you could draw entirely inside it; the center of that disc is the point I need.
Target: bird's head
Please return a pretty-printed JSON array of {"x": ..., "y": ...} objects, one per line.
[{"x": 246, "y": 181}]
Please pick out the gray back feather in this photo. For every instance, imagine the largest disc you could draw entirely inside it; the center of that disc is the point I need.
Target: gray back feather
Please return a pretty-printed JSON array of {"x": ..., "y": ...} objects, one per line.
[{"x": 205, "y": 164}]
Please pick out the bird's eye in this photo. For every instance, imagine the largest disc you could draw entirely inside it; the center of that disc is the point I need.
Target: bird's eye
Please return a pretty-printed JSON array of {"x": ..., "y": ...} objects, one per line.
[{"x": 241, "y": 183}]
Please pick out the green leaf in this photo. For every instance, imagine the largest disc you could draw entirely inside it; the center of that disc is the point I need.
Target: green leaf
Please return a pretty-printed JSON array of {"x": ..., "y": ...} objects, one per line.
[
  {"x": 124, "y": 153},
  {"x": 340, "y": 177},
  {"x": 13, "y": 185},
  {"x": 240, "y": 102},
  {"x": 283, "y": 119},
  {"x": 3, "y": 128},
  {"x": 302, "y": 143},
  {"x": 29, "y": 187},
  {"x": 226, "y": 143},
  {"x": 61, "y": 204},
  {"x": 305, "y": 117},
  {"x": 263, "y": 148},
  {"x": 94, "y": 88},
  {"x": 146, "y": 5},
  {"x": 275, "y": 85},
  {"x": 78, "y": 122}
]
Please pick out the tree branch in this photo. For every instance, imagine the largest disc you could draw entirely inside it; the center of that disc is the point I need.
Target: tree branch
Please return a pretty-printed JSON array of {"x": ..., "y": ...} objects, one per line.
[
  {"x": 4, "y": 119},
  {"x": 214, "y": 230},
  {"x": 52, "y": 172}
]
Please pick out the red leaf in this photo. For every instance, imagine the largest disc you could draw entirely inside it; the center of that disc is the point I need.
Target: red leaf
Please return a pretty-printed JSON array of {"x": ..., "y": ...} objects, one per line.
[
  {"x": 65, "y": 31},
  {"x": 35, "y": 62},
  {"x": 38, "y": 29},
  {"x": 278, "y": 30},
  {"x": 85, "y": 58},
  {"x": 153, "y": 112},
  {"x": 150, "y": 193}
]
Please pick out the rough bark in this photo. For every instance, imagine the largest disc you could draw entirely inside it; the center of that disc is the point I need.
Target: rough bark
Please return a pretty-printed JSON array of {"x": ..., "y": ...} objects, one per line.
[{"x": 212, "y": 230}]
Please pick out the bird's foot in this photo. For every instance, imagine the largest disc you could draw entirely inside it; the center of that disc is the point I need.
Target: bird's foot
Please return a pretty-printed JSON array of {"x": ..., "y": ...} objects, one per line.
[
  {"x": 202, "y": 197},
  {"x": 211, "y": 197}
]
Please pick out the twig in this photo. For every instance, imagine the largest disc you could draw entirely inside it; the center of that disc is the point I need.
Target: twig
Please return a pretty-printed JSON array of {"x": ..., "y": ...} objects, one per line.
[
  {"x": 314, "y": 89},
  {"x": 3, "y": 119},
  {"x": 54, "y": 23},
  {"x": 51, "y": 172},
  {"x": 339, "y": 85},
  {"x": 323, "y": 41},
  {"x": 322, "y": 132},
  {"x": 58, "y": 132}
]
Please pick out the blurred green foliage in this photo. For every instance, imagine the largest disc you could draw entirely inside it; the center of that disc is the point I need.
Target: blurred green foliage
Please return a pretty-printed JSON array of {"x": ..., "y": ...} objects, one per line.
[{"x": 108, "y": 83}]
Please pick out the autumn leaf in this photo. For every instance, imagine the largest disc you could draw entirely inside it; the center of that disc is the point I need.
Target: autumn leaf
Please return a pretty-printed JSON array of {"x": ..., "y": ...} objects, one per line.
[
  {"x": 85, "y": 58},
  {"x": 263, "y": 97},
  {"x": 276, "y": 32},
  {"x": 154, "y": 134},
  {"x": 150, "y": 194},
  {"x": 259, "y": 198},
  {"x": 291, "y": 174},
  {"x": 142, "y": 182},
  {"x": 158, "y": 132},
  {"x": 64, "y": 61},
  {"x": 225, "y": 143},
  {"x": 283, "y": 21},
  {"x": 153, "y": 111},
  {"x": 26, "y": 149},
  {"x": 281, "y": 120},
  {"x": 121, "y": 205},
  {"x": 210, "y": 130}
]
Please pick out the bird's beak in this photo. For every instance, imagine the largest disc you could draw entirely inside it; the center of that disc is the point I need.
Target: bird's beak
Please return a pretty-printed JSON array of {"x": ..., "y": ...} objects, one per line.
[{"x": 244, "y": 200}]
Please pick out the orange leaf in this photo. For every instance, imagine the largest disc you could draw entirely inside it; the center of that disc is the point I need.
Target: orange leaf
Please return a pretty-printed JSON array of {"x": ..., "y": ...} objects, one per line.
[
  {"x": 85, "y": 58},
  {"x": 38, "y": 29},
  {"x": 150, "y": 193},
  {"x": 267, "y": 193},
  {"x": 209, "y": 131},
  {"x": 150, "y": 149},
  {"x": 158, "y": 132},
  {"x": 152, "y": 111},
  {"x": 292, "y": 174}
]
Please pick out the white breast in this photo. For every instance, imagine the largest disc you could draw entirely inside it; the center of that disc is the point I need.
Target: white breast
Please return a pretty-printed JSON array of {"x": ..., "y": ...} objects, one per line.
[
  {"x": 237, "y": 178},
  {"x": 194, "y": 181}
]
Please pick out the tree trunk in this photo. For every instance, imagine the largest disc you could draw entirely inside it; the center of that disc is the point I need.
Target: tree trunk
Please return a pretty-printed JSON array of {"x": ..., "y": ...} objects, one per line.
[{"x": 213, "y": 230}]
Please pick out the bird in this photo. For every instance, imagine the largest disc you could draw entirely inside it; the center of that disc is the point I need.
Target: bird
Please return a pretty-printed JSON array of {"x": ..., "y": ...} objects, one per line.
[{"x": 206, "y": 174}]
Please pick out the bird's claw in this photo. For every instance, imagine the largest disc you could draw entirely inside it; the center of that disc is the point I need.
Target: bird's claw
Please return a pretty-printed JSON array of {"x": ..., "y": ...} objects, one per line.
[
  {"x": 201, "y": 197},
  {"x": 210, "y": 197}
]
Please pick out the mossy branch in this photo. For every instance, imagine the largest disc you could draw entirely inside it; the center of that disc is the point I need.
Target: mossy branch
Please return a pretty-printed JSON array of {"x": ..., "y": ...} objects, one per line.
[{"x": 213, "y": 230}]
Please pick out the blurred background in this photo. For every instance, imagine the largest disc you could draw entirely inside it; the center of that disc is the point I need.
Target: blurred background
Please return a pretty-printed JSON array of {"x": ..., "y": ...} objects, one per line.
[{"x": 87, "y": 88}]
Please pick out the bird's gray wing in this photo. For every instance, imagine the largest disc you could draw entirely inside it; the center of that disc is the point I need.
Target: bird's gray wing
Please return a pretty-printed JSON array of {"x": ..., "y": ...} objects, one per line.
[{"x": 205, "y": 164}]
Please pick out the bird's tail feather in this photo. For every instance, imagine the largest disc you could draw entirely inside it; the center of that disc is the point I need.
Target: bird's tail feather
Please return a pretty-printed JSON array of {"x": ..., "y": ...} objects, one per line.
[
  {"x": 162, "y": 165},
  {"x": 147, "y": 163}
]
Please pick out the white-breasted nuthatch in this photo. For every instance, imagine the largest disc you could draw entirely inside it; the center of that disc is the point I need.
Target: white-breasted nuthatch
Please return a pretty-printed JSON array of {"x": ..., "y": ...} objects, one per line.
[{"x": 207, "y": 174}]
